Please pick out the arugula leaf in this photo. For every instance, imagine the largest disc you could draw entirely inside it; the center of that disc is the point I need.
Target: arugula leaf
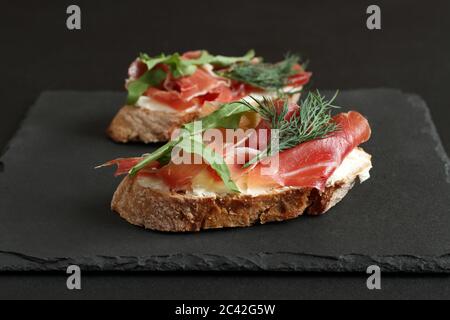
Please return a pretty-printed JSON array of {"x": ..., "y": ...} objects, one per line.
[
  {"x": 178, "y": 66},
  {"x": 227, "y": 61},
  {"x": 228, "y": 116},
  {"x": 222, "y": 61},
  {"x": 183, "y": 67},
  {"x": 193, "y": 146},
  {"x": 155, "y": 156},
  {"x": 138, "y": 87},
  {"x": 152, "y": 62}
]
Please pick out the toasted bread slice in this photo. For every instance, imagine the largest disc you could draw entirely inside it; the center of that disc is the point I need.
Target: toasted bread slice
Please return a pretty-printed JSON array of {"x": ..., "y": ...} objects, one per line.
[
  {"x": 173, "y": 212},
  {"x": 146, "y": 204},
  {"x": 133, "y": 123}
]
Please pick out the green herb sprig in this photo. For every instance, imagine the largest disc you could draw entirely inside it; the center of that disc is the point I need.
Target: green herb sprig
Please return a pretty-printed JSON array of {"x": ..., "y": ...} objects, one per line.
[
  {"x": 312, "y": 122},
  {"x": 266, "y": 76}
]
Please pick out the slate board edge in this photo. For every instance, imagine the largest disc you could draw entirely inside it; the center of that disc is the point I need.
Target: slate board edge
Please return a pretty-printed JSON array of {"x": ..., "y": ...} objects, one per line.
[
  {"x": 10, "y": 142},
  {"x": 417, "y": 102},
  {"x": 267, "y": 262},
  {"x": 298, "y": 262}
]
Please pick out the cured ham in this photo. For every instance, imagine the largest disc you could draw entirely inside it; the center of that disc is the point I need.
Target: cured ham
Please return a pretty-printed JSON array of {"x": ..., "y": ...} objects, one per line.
[
  {"x": 171, "y": 98},
  {"x": 300, "y": 78},
  {"x": 204, "y": 85},
  {"x": 136, "y": 70},
  {"x": 194, "y": 90},
  {"x": 124, "y": 165},
  {"x": 192, "y": 54},
  {"x": 198, "y": 84},
  {"x": 310, "y": 164}
]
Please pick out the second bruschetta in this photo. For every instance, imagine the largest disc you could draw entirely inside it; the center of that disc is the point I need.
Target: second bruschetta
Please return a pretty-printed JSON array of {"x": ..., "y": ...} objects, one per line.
[{"x": 167, "y": 91}]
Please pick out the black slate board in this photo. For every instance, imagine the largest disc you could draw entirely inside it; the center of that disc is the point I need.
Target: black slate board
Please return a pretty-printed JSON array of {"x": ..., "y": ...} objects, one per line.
[{"x": 54, "y": 208}]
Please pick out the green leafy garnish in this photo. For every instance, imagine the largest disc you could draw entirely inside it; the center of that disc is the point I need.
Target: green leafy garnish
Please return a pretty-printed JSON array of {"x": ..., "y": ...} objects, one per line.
[
  {"x": 265, "y": 75},
  {"x": 137, "y": 88},
  {"x": 311, "y": 123},
  {"x": 194, "y": 146},
  {"x": 221, "y": 61},
  {"x": 161, "y": 152},
  {"x": 228, "y": 116},
  {"x": 178, "y": 67},
  {"x": 183, "y": 67}
]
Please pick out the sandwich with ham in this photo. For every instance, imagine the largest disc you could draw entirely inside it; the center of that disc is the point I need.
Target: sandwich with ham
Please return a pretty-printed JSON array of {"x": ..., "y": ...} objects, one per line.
[
  {"x": 244, "y": 164},
  {"x": 167, "y": 91}
]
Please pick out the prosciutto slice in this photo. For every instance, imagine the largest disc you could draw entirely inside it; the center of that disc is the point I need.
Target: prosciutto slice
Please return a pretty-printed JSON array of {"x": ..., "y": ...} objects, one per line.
[
  {"x": 189, "y": 91},
  {"x": 198, "y": 84},
  {"x": 124, "y": 165},
  {"x": 202, "y": 86},
  {"x": 310, "y": 164}
]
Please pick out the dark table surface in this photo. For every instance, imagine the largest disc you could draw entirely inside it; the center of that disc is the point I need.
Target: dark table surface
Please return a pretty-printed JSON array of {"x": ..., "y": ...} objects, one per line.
[{"x": 38, "y": 53}]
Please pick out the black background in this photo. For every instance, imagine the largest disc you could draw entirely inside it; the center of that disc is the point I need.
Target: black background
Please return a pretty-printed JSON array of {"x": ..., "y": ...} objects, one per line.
[{"x": 411, "y": 52}]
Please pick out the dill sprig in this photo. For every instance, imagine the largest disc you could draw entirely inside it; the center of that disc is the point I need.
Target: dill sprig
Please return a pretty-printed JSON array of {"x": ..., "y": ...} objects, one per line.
[
  {"x": 269, "y": 76},
  {"x": 312, "y": 122}
]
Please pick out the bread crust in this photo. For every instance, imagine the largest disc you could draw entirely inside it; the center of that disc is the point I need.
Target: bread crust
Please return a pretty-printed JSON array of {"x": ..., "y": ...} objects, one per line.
[
  {"x": 133, "y": 124},
  {"x": 173, "y": 212}
]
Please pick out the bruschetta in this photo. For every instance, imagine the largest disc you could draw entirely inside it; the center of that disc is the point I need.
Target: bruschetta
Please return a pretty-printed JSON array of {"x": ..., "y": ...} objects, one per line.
[
  {"x": 290, "y": 160},
  {"x": 168, "y": 91}
]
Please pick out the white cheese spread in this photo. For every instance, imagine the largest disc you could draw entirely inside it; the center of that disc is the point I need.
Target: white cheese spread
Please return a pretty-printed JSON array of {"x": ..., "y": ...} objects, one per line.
[{"x": 357, "y": 164}]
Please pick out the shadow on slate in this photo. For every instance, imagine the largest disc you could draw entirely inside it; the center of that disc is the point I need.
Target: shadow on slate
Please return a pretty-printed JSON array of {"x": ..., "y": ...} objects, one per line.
[{"x": 54, "y": 207}]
